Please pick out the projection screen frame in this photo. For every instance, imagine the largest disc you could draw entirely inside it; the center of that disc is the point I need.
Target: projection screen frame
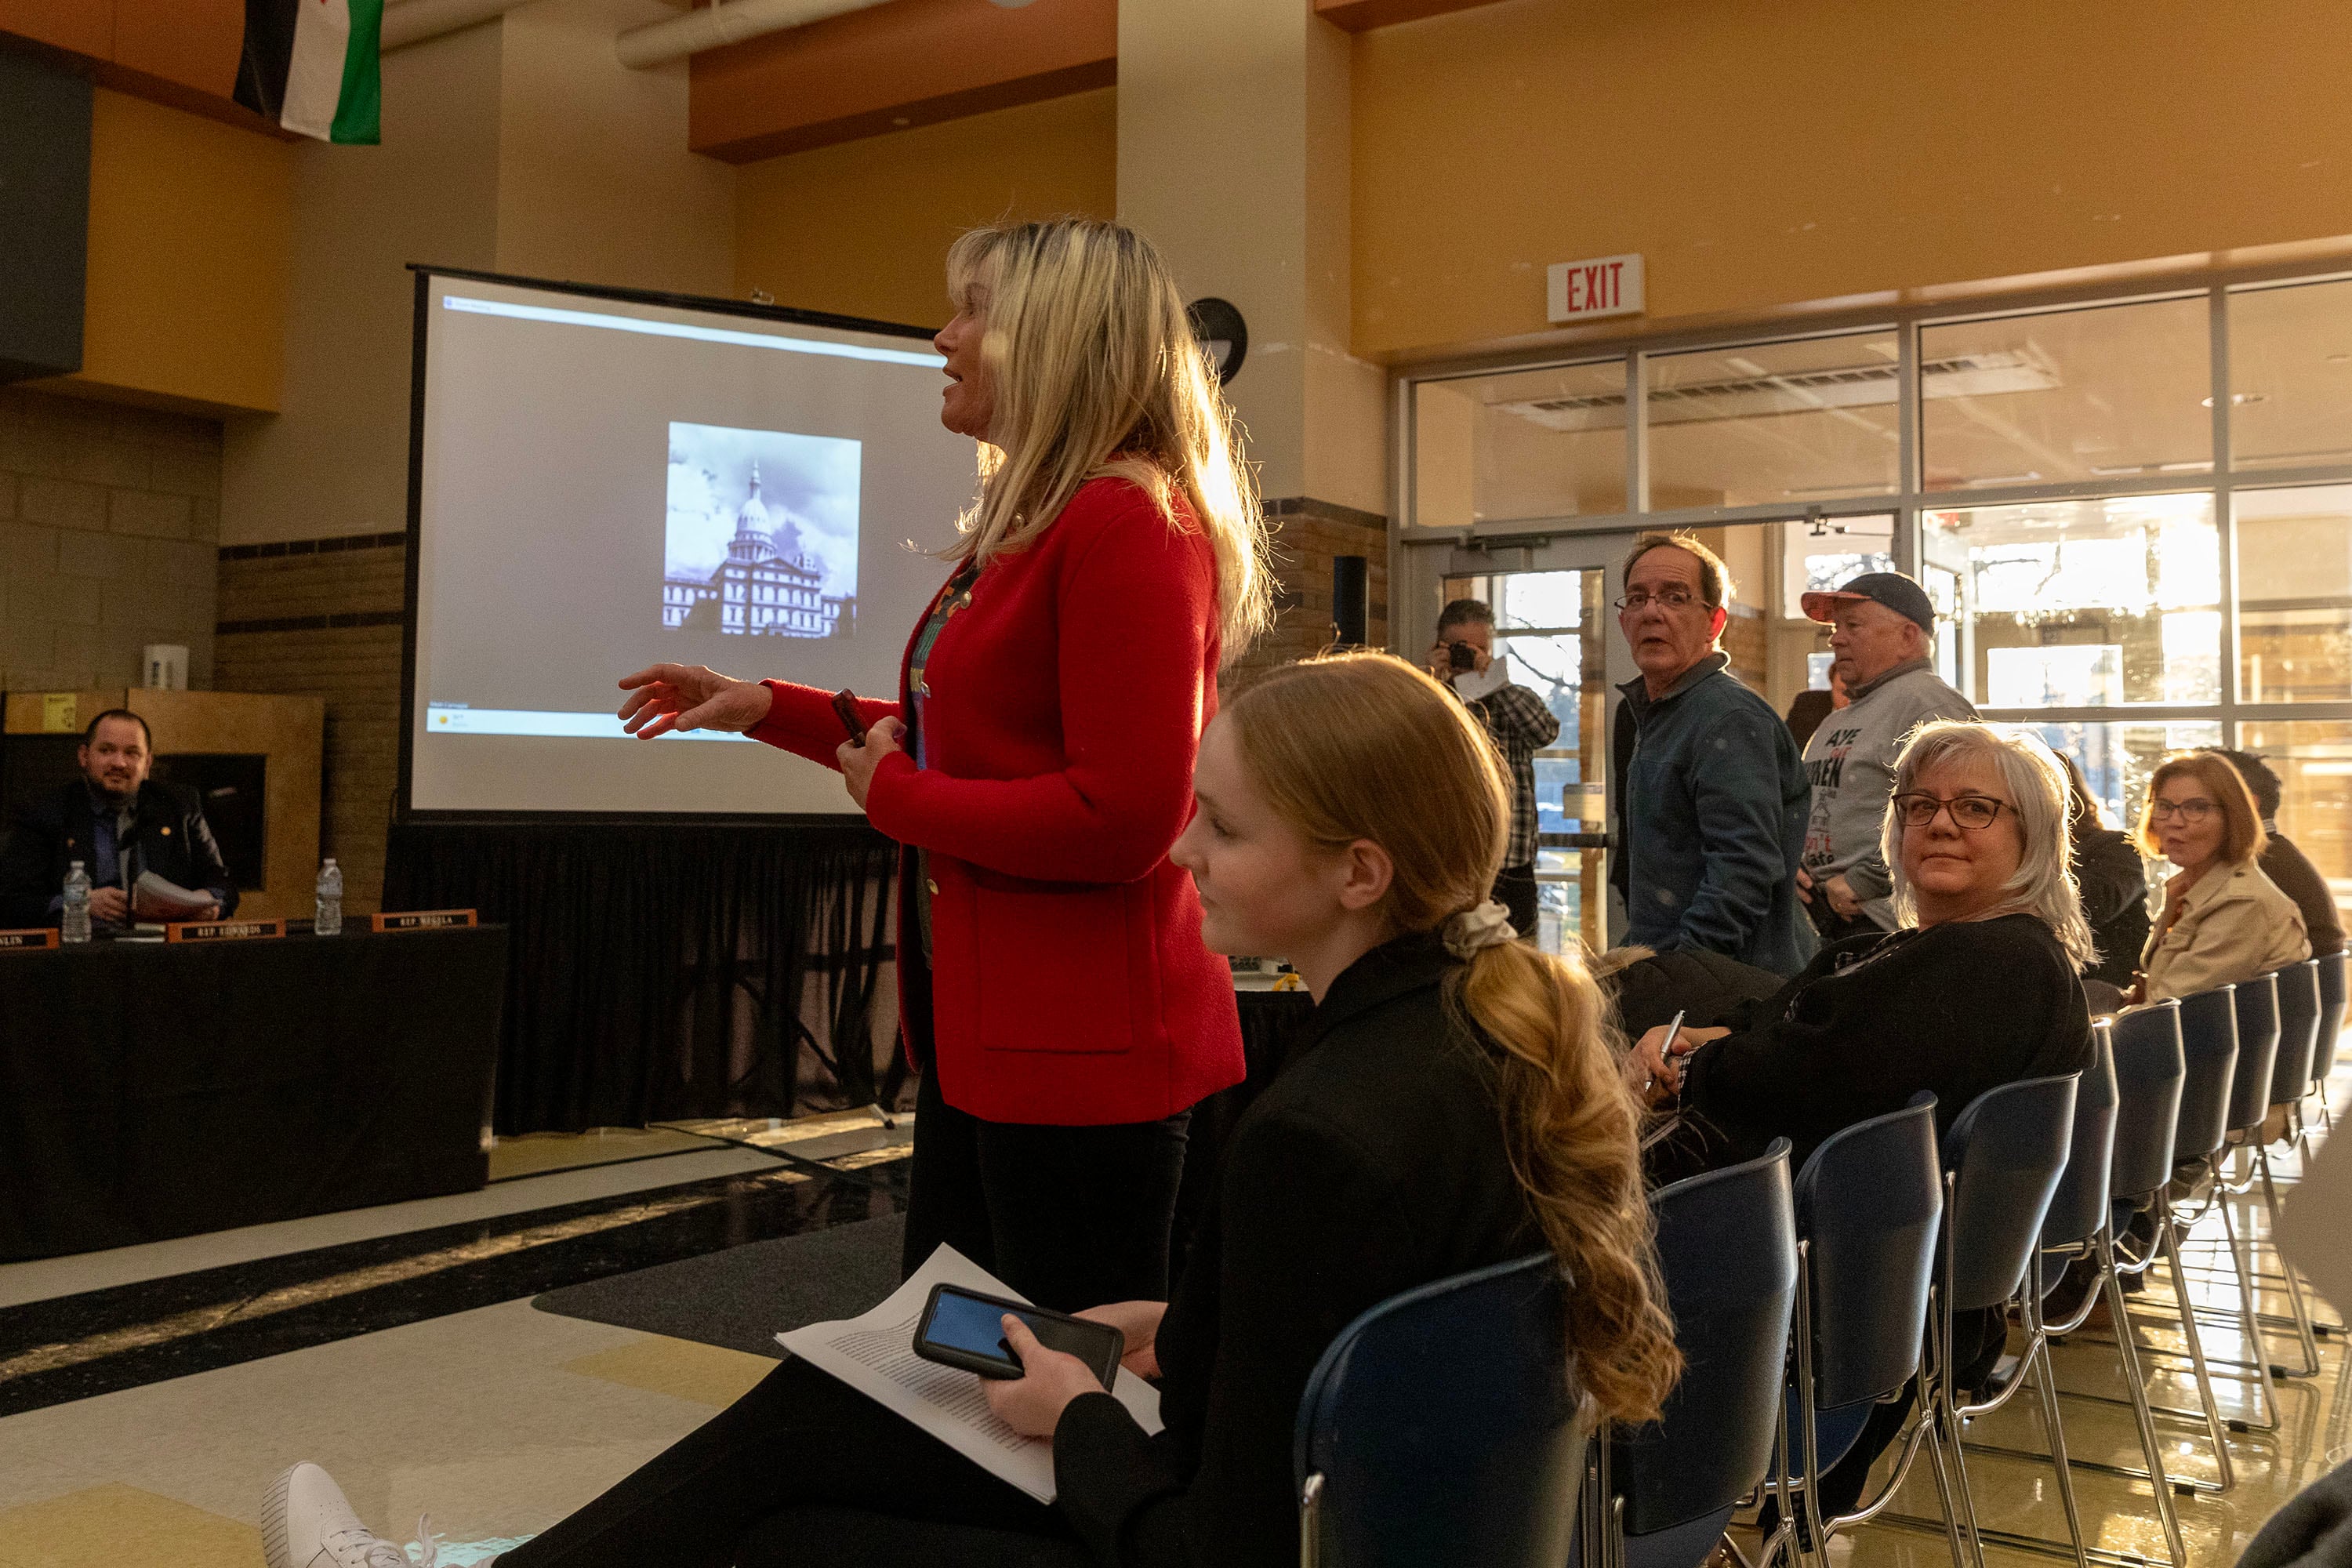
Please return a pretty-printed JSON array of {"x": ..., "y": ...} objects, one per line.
[{"x": 403, "y": 813}]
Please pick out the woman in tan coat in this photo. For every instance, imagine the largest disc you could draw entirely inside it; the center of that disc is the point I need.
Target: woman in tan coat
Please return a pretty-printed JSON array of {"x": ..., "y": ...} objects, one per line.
[{"x": 2223, "y": 921}]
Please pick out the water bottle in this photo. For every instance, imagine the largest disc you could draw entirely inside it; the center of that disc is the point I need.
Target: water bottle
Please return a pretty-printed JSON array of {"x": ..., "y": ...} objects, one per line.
[
  {"x": 76, "y": 922},
  {"x": 329, "y": 918}
]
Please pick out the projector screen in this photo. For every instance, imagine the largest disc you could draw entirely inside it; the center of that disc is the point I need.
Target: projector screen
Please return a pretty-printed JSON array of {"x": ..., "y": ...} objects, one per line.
[{"x": 602, "y": 481}]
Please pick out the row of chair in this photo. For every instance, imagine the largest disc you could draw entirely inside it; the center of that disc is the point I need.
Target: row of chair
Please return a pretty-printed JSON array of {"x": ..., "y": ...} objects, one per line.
[{"x": 1445, "y": 1425}]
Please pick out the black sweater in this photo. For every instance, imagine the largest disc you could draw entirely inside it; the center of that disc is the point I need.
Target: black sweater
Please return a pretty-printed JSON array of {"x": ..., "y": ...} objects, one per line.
[
  {"x": 1958, "y": 1009},
  {"x": 1372, "y": 1163},
  {"x": 2113, "y": 881}
]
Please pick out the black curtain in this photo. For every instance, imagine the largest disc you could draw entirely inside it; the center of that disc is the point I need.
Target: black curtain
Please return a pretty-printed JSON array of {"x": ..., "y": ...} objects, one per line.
[{"x": 660, "y": 971}]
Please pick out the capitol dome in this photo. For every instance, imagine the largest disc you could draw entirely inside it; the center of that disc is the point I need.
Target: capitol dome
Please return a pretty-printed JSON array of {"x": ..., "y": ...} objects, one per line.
[{"x": 751, "y": 541}]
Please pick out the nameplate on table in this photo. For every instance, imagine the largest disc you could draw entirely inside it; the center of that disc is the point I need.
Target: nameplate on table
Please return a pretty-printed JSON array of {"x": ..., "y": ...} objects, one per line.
[
  {"x": 221, "y": 930},
  {"x": 421, "y": 920},
  {"x": 40, "y": 936}
]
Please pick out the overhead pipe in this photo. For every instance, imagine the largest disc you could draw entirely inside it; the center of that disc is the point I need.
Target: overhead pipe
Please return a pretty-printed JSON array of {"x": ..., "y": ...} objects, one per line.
[
  {"x": 407, "y": 22},
  {"x": 714, "y": 27}
]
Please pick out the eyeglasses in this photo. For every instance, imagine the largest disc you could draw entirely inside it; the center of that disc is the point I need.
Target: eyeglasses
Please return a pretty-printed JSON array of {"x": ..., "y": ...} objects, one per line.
[
  {"x": 2189, "y": 811},
  {"x": 1973, "y": 813},
  {"x": 1671, "y": 599}
]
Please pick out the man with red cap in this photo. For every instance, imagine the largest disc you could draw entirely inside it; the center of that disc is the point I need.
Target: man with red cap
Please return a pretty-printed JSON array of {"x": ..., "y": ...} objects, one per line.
[{"x": 1884, "y": 631}]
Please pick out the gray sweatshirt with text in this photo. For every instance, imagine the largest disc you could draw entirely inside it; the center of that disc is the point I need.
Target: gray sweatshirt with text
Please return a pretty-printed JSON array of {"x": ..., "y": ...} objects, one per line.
[{"x": 1850, "y": 761}]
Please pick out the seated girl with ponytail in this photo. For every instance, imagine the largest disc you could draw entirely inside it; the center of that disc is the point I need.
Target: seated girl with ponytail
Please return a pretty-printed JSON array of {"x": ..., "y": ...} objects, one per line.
[{"x": 1453, "y": 1102}]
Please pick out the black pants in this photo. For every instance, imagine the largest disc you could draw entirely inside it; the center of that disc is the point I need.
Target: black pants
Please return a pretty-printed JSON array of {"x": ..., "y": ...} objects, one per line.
[
  {"x": 1514, "y": 890},
  {"x": 806, "y": 1471},
  {"x": 1068, "y": 1216}
]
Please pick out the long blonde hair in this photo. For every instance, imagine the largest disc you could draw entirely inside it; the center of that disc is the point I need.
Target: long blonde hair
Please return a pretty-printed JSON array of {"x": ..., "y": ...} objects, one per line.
[
  {"x": 1095, "y": 371},
  {"x": 1356, "y": 746}
]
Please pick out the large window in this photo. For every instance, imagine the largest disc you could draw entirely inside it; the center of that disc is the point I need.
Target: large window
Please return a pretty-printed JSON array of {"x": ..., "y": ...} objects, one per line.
[
  {"x": 2082, "y": 604},
  {"x": 2133, "y": 515}
]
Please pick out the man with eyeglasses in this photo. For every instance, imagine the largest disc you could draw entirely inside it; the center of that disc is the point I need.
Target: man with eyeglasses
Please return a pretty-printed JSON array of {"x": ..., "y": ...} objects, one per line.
[
  {"x": 1883, "y": 631},
  {"x": 1711, "y": 798}
]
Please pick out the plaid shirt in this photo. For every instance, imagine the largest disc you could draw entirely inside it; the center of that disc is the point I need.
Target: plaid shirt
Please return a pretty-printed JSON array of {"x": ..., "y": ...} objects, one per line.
[{"x": 1521, "y": 726}]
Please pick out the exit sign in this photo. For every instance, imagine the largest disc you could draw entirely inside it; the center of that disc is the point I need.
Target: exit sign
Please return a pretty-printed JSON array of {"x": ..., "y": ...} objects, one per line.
[{"x": 1587, "y": 290}]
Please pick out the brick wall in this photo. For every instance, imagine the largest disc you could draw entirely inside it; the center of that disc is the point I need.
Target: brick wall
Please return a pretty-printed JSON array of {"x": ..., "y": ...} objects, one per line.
[
  {"x": 108, "y": 519},
  {"x": 322, "y": 617},
  {"x": 1307, "y": 536}
]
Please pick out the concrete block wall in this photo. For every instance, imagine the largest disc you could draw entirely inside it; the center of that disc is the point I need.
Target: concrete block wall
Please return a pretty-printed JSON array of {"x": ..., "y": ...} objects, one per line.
[
  {"x": 1308, "y": 534},
  {"x": 109, "y": 516},
  {"x": 322, "y": 617}
]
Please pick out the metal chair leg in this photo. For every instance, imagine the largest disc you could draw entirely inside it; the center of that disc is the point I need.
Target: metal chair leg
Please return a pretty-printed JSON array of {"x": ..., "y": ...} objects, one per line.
[
  {"x": 2256, "y": 1347},
  {"x": 2045, "y": 1386},
  {"x": 2141, "y": 1418},
  {"x": 1932, "y": 1416},
  {"x": 2171, "y": 1243}
]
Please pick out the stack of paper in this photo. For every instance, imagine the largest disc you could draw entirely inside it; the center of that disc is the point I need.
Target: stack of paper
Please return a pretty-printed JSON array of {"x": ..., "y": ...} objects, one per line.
[{"x": 874, "y": 1354}]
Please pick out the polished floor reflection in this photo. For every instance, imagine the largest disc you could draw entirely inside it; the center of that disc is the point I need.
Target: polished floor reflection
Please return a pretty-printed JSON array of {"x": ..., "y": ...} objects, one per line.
[{"x": 144, "y": 1417}]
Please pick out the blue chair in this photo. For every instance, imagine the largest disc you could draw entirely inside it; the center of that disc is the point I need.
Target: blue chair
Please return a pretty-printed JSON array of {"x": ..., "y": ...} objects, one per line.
[
  {"x": 2256, "y": 1003},
  {"x": 2003, "y": 1158},
  {"x": 1727, "y": 1254},
  {"x": 2078, "y": 1229},
  {"x": 2299, "y": 1005},
  {"x": 2331, "y": 1022},
  {"x": 2209, "y": 1048},
  {"x": 1446, "y": 1425},
  {"x": 1870, "y": 1204}
]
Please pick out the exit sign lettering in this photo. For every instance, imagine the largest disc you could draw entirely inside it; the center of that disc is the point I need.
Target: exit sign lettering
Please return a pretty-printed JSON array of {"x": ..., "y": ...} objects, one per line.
[{"x": 1587, "y": 290}]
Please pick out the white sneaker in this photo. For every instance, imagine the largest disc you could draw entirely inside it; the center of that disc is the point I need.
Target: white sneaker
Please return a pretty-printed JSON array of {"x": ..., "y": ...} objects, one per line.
[{"x": 307, "y": 1523}]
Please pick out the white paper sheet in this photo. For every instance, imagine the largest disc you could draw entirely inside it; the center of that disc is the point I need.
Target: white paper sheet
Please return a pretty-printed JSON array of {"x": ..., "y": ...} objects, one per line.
[{"x": 874, "y": 1354}]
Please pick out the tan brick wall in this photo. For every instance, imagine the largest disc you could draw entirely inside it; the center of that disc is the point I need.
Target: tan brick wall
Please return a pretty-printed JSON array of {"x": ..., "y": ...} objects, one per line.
[
  {"x": 1308, "y": 534},
  {"x": 323, "y": 618},
  {"x": 108, "y": 520}
]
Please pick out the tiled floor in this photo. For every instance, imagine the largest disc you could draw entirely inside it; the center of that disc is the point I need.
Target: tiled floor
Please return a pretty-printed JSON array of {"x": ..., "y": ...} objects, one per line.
[{"x": 495, "y": 1419}]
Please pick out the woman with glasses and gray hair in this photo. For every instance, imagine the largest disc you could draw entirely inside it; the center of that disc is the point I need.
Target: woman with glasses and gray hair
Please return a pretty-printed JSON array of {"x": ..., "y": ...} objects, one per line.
[
  {"x": 1976, "y": 837},
  {"x": 2223, "y": 919},
  {"x": 1976, "y": 987}
]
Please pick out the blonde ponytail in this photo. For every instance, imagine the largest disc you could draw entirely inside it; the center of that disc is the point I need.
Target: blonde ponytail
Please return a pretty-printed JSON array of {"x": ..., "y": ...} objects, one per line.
[{"x": 1357, "y": 746}]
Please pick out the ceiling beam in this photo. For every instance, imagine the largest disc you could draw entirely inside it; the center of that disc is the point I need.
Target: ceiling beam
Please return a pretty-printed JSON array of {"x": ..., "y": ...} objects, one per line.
[
  {"x": 1362, "y": 15},
  {"x": 913, "y": 62}
]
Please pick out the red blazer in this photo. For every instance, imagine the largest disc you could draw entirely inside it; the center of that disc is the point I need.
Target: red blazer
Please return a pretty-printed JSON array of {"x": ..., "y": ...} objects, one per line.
[{"x": 1069, "y": 986}]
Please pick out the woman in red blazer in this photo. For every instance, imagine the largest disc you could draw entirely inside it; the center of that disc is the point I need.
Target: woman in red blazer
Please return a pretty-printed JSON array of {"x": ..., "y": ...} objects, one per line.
[{"x": 1036, "y": 765}]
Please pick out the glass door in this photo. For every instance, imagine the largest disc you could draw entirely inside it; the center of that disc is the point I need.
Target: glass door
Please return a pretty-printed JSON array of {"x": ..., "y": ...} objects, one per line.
[{"x": 1552, "y": 631}]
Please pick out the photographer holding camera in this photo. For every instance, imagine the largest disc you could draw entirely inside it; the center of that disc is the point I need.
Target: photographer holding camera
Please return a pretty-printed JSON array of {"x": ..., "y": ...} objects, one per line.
[{"x": 1516, "y": 720}]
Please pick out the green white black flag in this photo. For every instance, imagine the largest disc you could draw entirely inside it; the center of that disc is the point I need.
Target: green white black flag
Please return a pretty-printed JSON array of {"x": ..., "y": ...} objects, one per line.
[{"x": 310, "y": 65}]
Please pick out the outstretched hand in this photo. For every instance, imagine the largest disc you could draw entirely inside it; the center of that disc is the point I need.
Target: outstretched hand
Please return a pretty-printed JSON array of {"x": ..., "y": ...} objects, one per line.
[{"x": 668, "y": 696}]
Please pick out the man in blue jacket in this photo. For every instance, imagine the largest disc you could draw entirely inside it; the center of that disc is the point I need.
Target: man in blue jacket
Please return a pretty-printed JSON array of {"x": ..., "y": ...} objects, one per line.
[{"x": 1713, "y": 801}]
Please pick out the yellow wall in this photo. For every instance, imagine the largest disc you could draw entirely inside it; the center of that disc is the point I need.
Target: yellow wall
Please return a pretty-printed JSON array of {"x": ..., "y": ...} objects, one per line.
[
  {"x": 1763, "y": 152},
  {"x": 191, "y": 230},
  {"x": 863, "y": 227}
]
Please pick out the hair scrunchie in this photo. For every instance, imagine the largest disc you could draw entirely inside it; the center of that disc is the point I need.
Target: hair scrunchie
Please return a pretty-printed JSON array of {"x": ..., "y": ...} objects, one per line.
[{"x": 1486, "y": 925}]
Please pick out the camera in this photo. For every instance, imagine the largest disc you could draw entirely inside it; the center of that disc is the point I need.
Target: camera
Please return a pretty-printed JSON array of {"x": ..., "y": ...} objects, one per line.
[{"x": 1461, "y": 656}]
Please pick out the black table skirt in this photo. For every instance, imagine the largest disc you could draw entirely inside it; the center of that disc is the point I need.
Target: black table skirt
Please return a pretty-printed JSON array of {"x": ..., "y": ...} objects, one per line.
[{"x": 150, "y": 1091}]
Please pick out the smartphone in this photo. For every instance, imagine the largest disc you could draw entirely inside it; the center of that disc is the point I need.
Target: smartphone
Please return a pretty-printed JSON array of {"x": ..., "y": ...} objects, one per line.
[
  {"x": 964, "y": 1329},
  {"x": 845, "y": 708},
  {"x": 1461, "y": 656}
]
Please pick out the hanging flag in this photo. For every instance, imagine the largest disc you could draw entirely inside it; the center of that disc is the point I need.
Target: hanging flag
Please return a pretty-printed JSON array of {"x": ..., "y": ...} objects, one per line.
[{"x": 311, "y": 65}]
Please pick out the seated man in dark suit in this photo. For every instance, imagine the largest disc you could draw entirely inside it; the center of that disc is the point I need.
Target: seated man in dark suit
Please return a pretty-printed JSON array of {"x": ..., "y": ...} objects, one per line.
[{"x": 117, "y": 822}]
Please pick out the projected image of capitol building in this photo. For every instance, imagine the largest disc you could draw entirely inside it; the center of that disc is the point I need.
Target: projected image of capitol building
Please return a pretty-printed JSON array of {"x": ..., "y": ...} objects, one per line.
[{"x": 766, "y": 586}]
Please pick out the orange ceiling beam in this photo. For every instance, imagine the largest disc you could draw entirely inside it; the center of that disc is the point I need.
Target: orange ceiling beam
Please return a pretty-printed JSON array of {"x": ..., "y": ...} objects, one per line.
[
  {"x": 1361, "y": 16},
  {"x": 912, "y": 62}
]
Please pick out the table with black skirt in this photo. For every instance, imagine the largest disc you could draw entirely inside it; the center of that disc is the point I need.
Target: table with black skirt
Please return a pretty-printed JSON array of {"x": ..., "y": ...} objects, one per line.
[{"x": 150, "y": 1091}]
